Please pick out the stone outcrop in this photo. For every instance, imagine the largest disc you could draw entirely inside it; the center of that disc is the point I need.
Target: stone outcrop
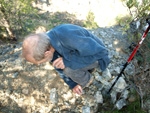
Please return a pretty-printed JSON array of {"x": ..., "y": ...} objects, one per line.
[{"x": 25, "y": 87}]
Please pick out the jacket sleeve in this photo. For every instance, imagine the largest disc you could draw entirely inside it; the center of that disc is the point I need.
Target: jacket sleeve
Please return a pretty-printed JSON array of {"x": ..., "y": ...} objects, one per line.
[{"x": 67, "y": 80}]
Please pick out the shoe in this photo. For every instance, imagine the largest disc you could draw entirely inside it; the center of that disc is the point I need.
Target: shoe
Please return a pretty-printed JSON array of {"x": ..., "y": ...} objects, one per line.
[
  {"x": 92, "y": 70},
  {"x": 90, "y": 82}
]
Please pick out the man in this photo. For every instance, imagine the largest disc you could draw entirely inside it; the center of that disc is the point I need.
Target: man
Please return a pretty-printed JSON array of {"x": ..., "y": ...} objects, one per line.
[{"x": 72, "y": 50}]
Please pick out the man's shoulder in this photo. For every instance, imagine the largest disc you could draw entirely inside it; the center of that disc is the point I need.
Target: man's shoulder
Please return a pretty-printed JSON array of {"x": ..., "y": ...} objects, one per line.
[{"x": 67, "y": 27}]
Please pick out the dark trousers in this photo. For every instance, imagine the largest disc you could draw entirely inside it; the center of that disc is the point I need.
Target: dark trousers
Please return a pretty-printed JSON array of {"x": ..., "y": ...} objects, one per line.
[{"x": 81, "y": 76}]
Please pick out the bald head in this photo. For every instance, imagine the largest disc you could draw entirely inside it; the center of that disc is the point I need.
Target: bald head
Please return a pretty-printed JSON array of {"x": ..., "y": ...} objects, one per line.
[
  {"x": 35, "y": 45},
  {"x": 29, "y": 44}
]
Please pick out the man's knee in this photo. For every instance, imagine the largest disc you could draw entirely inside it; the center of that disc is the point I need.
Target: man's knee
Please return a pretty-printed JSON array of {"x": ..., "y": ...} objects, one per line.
[{"x": 66, "y": 70}]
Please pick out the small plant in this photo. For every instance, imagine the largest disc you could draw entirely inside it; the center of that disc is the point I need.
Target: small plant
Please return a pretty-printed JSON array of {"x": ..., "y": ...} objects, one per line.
[
  {"x": 18, "y": 17},
  {"x": 124, "y": 21},
  {"x": 90, "y": 23}
]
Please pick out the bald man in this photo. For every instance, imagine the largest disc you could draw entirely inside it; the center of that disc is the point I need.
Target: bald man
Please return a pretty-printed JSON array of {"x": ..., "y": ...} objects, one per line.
[
  {"x": 31, "y": 52},
  {"x": 72, "y": 50}
]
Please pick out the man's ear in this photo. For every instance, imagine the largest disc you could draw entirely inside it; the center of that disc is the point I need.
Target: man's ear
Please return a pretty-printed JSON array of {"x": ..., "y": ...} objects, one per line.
[{"x": 47, "y": 53}]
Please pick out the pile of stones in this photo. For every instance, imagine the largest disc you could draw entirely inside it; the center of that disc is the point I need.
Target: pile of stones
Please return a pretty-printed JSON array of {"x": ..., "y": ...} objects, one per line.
[{"x": 25, "y": 87}]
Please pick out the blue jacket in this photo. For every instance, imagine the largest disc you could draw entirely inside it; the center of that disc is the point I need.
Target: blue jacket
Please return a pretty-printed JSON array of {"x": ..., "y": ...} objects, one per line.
[{"x": 78, "y": 47}]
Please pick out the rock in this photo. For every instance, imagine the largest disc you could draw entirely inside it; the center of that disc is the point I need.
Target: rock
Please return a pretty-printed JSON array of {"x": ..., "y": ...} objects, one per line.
[
  {"x": 86, "y": 109},
  {"x": 15, "y": 75},
  {"x": 56, "y": 110},
  {"x": 25, "y": 91},
  {"x": 110, "y": 46},
  {"x": 116, "y": 55},
  {"x": 29, "y": 110},
  {"x": 102, "y": 80},
  {"x": 89, "y": 100},
  {"x": 131, "y": 98},
  {"x": 106, "y": 74},
  {"x": 117, "y": 69},
  {"x": 98, "y": 85},
  {"x": 120, "y": 103},
  {"x": 120, "y": 84},
  {"x": 99, "y": 97},
  {"x": 98, "y": 70},
  {"x": 53, "y": 96},
  {"x": 67, "y": 96},
  {"x": 72, "y": 101},
  {"x": 130, "y": 69},
  {"x": 8, "y": 91},
  {"x": 96, "y": 75},
  {"x": 125, "y": 94},
  {"x": 113, "y": 96},
  {"x": 1, "y": 51}
]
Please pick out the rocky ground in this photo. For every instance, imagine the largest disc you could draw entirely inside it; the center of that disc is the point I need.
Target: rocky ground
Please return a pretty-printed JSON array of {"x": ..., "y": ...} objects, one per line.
[{"x": 28, "y": 88}]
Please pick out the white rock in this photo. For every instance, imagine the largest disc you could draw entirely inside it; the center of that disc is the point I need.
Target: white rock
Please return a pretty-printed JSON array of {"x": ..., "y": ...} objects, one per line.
[
  {"x": 147, "y": 104},
  {"x": 53, "y": 96},
  {"x": 113, "y": 96},
  {"x": 8, "y": 91},
  {"x": 15, "y": 75},
  {"x": 99, "y": 97},
  {"x": 110, "y": 46},
  {"x": 120, "y": 84},
  {"x": 101, "y": 79},
  {"x": 86, "y": 109},
  {"x": 72, "y": 101},
  {"x": 25, "y": 91},
  {"x": 98, "y": 70},
  {"x": 120, "y": 103},
  {"x": 96, "y": 74},
  {"x": 117, "y": 69},
  {"x": 106, "y": 74},
  {"x": 125, "y": 94},
  {"x": 67, "y": 96}
]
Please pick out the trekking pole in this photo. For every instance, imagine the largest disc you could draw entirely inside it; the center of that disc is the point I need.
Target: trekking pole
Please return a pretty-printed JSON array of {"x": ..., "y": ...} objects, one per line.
[{"x": 131, "y": 56}]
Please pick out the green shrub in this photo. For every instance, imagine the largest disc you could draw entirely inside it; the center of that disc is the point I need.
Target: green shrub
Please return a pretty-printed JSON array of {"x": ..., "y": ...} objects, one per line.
[
  {"x": 90, "y": 23},
  {"x": 19, "y": 16}
]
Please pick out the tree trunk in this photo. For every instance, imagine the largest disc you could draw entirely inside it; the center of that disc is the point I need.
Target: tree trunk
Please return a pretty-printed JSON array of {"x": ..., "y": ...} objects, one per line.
[
  {"x": 10, "y": 33},
  {"x": 6, "y": 23}
]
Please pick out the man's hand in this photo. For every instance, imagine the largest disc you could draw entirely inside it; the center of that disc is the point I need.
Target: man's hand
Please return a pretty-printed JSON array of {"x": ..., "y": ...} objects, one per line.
[
  {"x": 58, "y": 63},
  {"x": 78, "y": 89}
]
